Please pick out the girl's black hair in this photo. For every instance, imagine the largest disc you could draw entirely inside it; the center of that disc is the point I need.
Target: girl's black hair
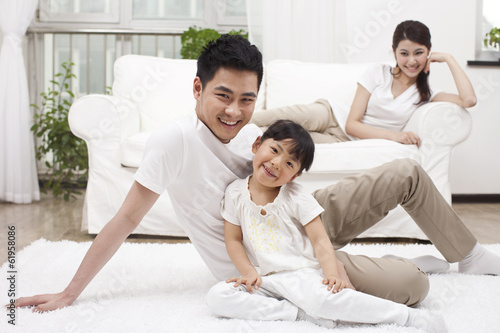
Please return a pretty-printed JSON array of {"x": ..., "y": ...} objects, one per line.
[
  {"x": 417, "y": 32},
  {"x": 302, "y": 147}
]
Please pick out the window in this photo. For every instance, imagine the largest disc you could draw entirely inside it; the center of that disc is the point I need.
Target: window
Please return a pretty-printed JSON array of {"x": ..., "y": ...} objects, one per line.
[
  {"x": 168, "y": 9},
  {"x": 167, "y": 15},
  {"x": 231, "y": 12},
  {"x": 93, "y": 33},
  {"x": 79, "y": 11},
  {"x": 488, "y": 18}
]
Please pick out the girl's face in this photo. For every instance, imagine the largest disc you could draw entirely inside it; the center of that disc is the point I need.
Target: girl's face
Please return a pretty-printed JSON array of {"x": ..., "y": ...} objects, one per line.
[
  {"x": 273, "y": 165},
  {"x": 411, "y": 58}
]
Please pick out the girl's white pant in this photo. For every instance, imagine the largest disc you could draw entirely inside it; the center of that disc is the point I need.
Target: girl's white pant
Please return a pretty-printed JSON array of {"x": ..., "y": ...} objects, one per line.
[{"x": 282, "y": 294}]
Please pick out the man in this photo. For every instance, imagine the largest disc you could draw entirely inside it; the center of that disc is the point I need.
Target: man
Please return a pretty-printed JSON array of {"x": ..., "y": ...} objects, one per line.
[{"x": 195, "y": 158}]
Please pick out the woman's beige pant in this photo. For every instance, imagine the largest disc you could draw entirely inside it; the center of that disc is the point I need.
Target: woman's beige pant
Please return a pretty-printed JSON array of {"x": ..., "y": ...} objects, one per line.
[{"x": 317, "y": 118}]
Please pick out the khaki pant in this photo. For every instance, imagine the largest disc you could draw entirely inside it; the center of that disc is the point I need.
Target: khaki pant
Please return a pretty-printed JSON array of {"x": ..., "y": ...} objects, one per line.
[
  {"x": 317, "y": 118},
  {"x": 356, "y": 203}
]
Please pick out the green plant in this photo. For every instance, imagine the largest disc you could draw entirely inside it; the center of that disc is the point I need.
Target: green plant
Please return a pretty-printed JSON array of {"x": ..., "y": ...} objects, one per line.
[
  {"x": 194, "y": 39},
  {"x": 492, "y": 37},
  {"x": 65, "y": 155}
]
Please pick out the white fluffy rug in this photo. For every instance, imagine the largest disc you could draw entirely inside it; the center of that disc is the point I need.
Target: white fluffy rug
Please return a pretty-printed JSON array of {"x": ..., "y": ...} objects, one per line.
[{"x": 161, "y": 288}]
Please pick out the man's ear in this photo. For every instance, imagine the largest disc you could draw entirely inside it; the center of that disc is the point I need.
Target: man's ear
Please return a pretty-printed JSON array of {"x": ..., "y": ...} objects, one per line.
[
  {"x": 197, "y": 88},
  {"x": 298, "y": 174},
  {"x": 256, "y": 144}
]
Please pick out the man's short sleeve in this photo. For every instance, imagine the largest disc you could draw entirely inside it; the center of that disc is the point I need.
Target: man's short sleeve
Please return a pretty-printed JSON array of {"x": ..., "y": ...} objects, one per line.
[
  {"x": 228, "y": 205},
  {"x": 162, "y": 159}
]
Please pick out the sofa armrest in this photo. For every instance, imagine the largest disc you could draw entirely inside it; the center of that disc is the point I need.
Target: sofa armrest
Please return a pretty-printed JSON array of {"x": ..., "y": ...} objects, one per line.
[
  {"x": 443, "y": 123},
  {"x": 441, "y": 126},
  {"x": 103, "y": 122}
]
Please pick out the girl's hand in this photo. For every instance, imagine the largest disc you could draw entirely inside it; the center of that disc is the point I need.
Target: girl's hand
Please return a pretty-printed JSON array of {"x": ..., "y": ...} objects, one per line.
[
  {"x": 435, "y": 57},
  {"x": 334, "y": 283},
  {"x": 343, "y": 275},
  {"x": 248, "y": 280},
  {"x": 407, "y": 138}
]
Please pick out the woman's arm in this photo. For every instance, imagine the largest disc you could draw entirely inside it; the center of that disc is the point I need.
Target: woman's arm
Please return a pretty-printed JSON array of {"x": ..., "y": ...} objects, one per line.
[
  {"x": 466, "y": 96},
  {"x": 356, "y": 128},
  {"x": 234, "y": 246},
  {"x": 325, "y": 254},
  {"x": 137, "y": 203}
]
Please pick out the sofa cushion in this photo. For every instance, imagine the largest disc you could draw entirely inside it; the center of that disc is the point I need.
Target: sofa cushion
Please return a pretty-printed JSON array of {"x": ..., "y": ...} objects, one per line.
[
  {"x": 359, "y": 155},
  {"x": 161, "y": 89},
  {"x": 132, "y": 148},
  {"x": 344, "y": 157},
  {"x": 290, "y": 82}
]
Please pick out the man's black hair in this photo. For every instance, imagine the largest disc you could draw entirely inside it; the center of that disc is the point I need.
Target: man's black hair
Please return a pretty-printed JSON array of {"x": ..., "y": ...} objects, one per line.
[
  {"x": 302, "y": 147},
  {"x": 229, "y": 51}
]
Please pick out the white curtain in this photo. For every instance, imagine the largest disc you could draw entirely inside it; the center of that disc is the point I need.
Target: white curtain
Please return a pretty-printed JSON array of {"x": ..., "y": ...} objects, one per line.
[
  {"x": 18, "y": 175},
  {"x": 305, "y": 30}
]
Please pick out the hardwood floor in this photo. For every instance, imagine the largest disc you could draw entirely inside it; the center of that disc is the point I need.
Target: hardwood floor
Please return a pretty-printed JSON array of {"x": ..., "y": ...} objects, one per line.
[{"x": 56, "y": 219}]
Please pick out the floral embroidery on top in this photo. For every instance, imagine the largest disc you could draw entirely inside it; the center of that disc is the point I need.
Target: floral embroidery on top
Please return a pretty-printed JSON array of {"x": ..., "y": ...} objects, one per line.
[{"x": 264, "y": 236}]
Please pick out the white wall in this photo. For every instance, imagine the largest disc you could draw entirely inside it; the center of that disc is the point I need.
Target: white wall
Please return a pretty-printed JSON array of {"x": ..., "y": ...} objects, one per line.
[
  {"x": 475, "y": 167},
  {"x": 369, "y": 31}
]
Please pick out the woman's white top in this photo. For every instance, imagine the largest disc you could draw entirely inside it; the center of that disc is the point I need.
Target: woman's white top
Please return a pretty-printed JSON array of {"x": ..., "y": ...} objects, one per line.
[{"x": 384, "y": 110}]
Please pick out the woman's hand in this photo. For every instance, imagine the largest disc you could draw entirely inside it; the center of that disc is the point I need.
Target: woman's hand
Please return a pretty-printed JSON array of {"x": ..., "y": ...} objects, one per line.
[
  {"x": 407, "y": 138},
  {"x": 466, "y": 96},
  {"x": 252, "y": 278},
  {"x": 436, "y": 57},
  {"x": 46, "y": 302},
  {"x": 334, "y": 283}
]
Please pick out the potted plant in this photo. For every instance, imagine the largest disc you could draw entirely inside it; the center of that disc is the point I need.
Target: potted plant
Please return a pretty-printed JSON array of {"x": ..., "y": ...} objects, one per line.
[
  {"x": 194, "y": 39},
  {"x": 493, "y": 38},
  {"x": 64, "y": 155}
]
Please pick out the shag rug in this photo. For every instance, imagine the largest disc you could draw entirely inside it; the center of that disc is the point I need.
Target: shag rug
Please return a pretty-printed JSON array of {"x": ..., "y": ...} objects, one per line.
[{"x": 162, "y": 288}]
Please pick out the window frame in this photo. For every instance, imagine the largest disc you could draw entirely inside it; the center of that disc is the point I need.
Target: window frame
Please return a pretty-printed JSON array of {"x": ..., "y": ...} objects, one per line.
[
  {"x": 121, "y": 17},
  {"x": 46, "y": 16},
  {"x": 482, "y": 52}
]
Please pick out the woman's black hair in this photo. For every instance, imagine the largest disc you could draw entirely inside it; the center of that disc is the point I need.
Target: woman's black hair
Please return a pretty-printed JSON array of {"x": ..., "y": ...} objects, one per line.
[
  {"x": 302, "y": 147},
  {"x": 417, "y": 32}
]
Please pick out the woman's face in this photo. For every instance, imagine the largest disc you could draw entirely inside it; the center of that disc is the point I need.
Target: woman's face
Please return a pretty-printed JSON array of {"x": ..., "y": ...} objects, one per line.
[{"x": 411, "y": 57}]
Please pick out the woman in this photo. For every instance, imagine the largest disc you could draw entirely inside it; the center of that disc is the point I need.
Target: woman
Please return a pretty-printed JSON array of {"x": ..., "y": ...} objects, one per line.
[{"x": 386, "y": 97}]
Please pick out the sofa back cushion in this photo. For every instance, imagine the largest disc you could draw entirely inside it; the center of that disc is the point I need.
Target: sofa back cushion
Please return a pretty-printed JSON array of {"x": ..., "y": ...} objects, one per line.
[
  {"x": 290, "y": 82},
  {"x": 162, "y": 89}
]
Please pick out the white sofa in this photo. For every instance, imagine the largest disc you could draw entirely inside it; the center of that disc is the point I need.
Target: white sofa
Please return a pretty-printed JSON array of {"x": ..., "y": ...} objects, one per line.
[{"x": 149, "y": 91}]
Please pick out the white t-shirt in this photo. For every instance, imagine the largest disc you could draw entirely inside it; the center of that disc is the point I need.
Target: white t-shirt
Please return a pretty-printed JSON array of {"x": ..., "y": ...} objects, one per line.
[
  {"x": 194, "y": 167},
  {"x": 383, "y": 110},
  {"x": 275, "y": 241}
]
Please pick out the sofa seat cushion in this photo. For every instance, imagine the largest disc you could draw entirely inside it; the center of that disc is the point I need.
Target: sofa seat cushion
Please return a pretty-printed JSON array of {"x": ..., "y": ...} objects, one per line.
[
  {"x": 359, "y": 155},
  {"x": 132, "y": 148},
  {"x": 344, "y": 157}
]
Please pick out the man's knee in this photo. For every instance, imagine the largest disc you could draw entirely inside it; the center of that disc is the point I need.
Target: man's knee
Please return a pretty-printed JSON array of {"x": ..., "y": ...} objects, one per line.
[
  {"x": 413, "y": 287},
  {"x": 405, "y": 167}
]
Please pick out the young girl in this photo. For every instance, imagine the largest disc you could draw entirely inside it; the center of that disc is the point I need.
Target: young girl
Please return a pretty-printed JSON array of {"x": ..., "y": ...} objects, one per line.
[
  {"x": 386, "y": 97},
  {"x": 277, "y": 241}
]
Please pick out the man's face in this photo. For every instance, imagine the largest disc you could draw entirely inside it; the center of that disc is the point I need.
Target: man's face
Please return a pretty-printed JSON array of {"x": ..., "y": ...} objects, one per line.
[{"x": 227, "y": 102}]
